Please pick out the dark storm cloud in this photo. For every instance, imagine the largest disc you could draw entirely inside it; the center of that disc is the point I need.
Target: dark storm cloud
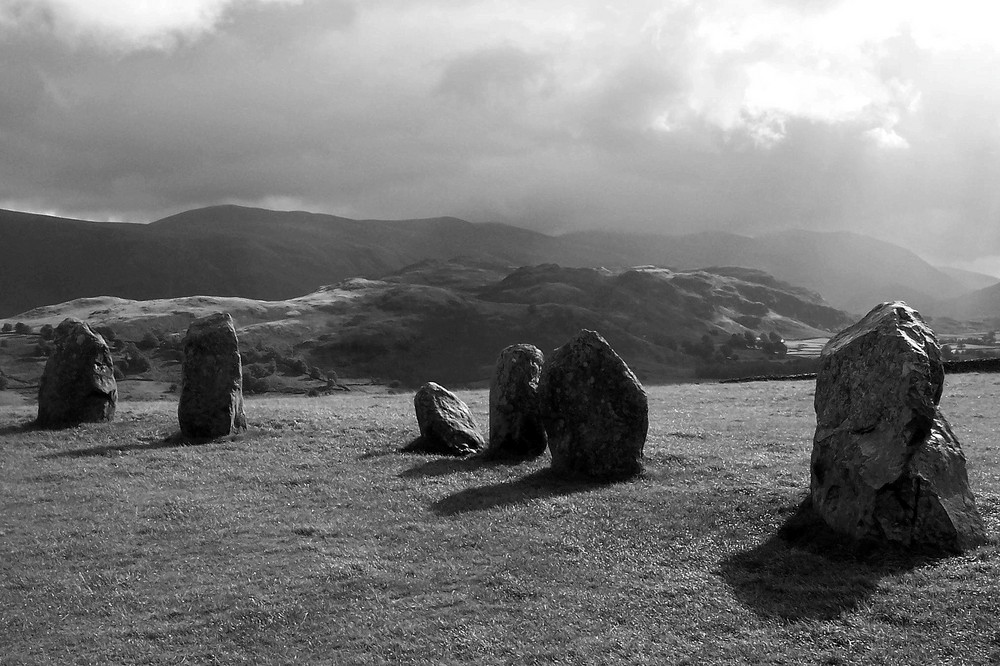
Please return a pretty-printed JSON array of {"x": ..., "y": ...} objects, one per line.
[{"x": 672, "y": 115}]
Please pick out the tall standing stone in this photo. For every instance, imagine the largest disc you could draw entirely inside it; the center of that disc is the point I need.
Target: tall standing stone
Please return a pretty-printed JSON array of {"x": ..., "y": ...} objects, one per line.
[
  {"x": 78, "y": 384},
  {"x": 211, "y": 403},
  {"x": 445, "y": 422},
  {"x": 516, "y": 428},
  {"x": 594, "y": 409},
  {"x": 886, "y": 466}
]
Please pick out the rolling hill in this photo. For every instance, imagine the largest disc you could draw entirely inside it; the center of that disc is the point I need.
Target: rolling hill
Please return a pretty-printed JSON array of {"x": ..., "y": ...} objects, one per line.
[
  {"x": 447, "y": 321},
  {"x": 262, "y": 254}
]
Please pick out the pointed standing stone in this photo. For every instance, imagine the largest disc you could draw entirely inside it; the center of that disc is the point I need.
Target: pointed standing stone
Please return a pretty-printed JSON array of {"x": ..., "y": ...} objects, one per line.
[
  {"x": 516, "y": 428},
  {"x": 886, "y": 466},
  {"x": 211, "y": 403},
  {"x": 594, "y": 409},
  {"x": 78, "y": 384}
]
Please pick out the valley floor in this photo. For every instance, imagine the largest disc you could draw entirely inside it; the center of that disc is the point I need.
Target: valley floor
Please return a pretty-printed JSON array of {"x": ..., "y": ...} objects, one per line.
[{"x": 311, "y": 539}]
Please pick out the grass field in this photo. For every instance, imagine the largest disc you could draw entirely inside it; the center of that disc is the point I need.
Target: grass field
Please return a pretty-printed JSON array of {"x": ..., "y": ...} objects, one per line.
[{"x": 310, "y": 539}]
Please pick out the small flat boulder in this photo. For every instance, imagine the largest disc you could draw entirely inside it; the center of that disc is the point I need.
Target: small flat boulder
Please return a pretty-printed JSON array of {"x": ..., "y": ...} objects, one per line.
[
  {"x": 516, "y": 427},
  {"x": 78, "y": 384},
  {"x": 445, "y": 422},
  {"x": 594, "y": 409},
  {"x": 886, "y": 467},
  {"x": 211, "y": 402}
]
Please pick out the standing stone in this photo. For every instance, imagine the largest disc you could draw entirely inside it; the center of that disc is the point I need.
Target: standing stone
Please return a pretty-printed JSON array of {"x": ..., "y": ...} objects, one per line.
[
  {"x": 516, "y": 428},
  {"x": 78, "y": 384},
  {"x": 211, "y": 403},
  {"x": 445, "y": 422},
  {"x": 594, "y": 409},
  {"x": 886, "y": 467}
]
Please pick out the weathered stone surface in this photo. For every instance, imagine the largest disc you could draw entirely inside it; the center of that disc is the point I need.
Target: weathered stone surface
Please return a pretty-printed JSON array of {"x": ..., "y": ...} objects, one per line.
[
  {"x": 445, "y": 422},
  {"x": 78, "y": 384},
  {"x": 594, "y": 409},
  {"x": 211, "y": 403},
  {"x": 516, "y": 428},
  {"x": 886, "y": 467}
]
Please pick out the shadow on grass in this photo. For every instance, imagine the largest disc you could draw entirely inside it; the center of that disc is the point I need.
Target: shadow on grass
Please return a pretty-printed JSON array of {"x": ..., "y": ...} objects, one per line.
[
  {"x": 170, "y": 441},
  {"x": 543, "y": 483},
  {"x": 19, "y": 428},
  {"x": 33, "y": 426},
  {"x": 449, "y": 465},
  {"x": 808, "y": 572}
]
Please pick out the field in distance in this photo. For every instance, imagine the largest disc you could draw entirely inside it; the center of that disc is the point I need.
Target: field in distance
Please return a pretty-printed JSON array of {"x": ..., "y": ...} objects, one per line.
[{"x": 311, "y": 539}]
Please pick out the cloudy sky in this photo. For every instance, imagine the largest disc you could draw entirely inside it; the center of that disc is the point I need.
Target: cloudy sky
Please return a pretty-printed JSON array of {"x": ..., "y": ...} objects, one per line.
[{"x": 654, "y": 115}]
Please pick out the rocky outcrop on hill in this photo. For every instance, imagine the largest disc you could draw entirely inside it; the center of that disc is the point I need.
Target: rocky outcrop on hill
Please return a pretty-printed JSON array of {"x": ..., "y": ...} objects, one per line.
[
  {"x": 886, "y": 466},
  {"x": 516, "y": 428},
  {"x": 594, "y": 409},
  {"x": 211, "y": 402},
  {"x": 445, "y": 422},
  {"x": 78, "y": 384}
]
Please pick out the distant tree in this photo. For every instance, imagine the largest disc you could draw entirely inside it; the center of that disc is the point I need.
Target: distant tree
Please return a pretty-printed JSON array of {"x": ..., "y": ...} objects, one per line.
[
  {"x": 252, "y": 385},
  {"x": 776, "y": 348},
  {"x": 22, "y": 328},
  {"x": 948, "y": 353},
  {"x": 134, "y": 361},
  {"x": 258, "y": 370},
  {"x": 704, "y": 348},
  {"x": 44, "y": 348},
  {"x": 7, "y": 327},
  {"x": 47, "y": 332},
  {"x": 751, "y": 339},
  {"x": 150, "y": 340}
]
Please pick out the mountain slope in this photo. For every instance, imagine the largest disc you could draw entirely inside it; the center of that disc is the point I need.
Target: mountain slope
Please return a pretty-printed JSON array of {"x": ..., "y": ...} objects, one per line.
[
  {"x": 262, "y": 254},
  {"x": 982, "y": 305},
  {"x": 970, "y": 279},
  {"x": 851, "y": 271},
  {"x": 228, "y": 251}
]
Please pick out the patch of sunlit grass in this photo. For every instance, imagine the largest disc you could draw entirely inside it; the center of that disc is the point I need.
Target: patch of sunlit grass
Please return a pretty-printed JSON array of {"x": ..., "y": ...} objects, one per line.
[{"x": 310, "y": 539}]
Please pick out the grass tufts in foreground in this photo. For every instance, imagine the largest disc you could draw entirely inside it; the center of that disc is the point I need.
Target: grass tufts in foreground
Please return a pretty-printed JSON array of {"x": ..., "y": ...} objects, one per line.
[{"x": 311, "y": 539}]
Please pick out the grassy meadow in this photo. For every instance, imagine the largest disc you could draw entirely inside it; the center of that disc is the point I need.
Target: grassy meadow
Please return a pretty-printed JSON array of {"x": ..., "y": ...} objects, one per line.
[{"x": 311, "y": 539}]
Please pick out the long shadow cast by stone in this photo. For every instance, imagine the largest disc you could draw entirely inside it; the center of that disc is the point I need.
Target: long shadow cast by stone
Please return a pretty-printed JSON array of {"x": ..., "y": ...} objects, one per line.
[
  {"x": 19, "y": 428},
  {"x": 808, "y": 572},
  {"x": 175, "y": 440},
  {"x": 543, "y": 483},
  {"x": 450, "y": 465}
]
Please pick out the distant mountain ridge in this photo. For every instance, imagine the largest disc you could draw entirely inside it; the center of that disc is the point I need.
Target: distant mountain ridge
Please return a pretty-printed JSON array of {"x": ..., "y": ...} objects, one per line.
[{"x": 271, "y": 255}]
